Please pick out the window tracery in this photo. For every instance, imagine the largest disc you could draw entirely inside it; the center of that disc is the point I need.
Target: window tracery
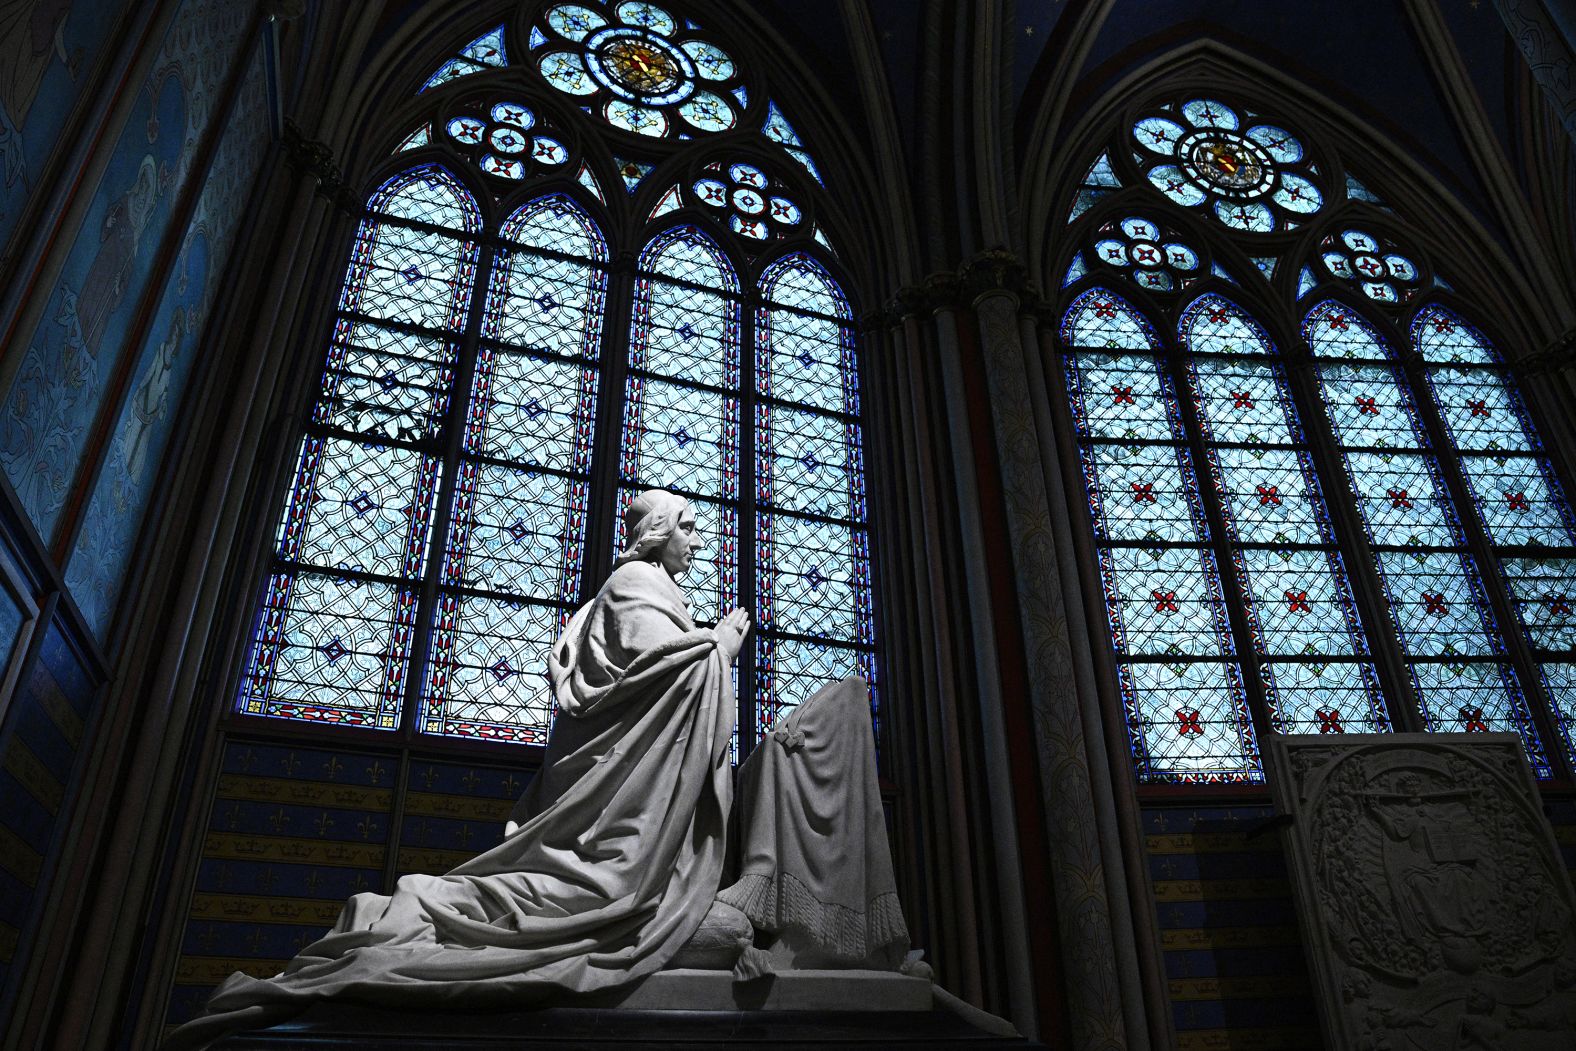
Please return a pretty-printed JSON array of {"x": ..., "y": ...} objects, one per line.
[
  {"x": 443, "y": 519},
  {"x": 1376, "y": 518}
]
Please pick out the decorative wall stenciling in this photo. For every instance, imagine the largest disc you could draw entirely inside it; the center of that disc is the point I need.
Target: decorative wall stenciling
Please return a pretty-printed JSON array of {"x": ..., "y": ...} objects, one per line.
[
  {"x": 124, "y": 487},
  {"x": 74, "y": 351},
  {"x": 47, "y": 723},
  {"x": 49, "y": 52},
  {"x": 295, "y": 831},
  {"x": 1430, "y": 891}
]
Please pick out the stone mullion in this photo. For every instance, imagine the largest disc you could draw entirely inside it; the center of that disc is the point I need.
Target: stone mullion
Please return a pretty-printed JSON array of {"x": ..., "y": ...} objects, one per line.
[
  {"x": 891, "y": 571},
  {"x": 1096, "y": 1011},
  {"x": 1116, "y": 806},
  {"x": 986, "y": 686},
  {"x": 957, "y": 957}
]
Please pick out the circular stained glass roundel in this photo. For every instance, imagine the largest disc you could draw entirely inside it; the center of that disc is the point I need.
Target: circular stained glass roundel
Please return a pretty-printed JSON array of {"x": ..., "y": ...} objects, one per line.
[
  {"x": 1228, "y": 163},
  {"x": 639, "y": 66}
]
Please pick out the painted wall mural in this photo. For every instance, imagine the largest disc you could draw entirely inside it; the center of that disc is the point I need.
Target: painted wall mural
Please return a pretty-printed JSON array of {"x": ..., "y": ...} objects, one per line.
[
  {"x": 73, "y": 353},
  {"x": 48, "y": 53},
  {"x": 121, "y": 493}
]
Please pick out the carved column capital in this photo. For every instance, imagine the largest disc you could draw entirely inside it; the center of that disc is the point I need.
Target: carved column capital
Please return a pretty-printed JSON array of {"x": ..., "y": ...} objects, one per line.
[
  {"x": 314, "y": 157},
  {"x": 997, "y": 270},
  {"x": 1558, "y": 356}
]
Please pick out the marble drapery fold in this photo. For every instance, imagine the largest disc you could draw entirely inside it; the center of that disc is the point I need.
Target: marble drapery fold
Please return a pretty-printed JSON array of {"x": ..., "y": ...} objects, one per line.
[{"x": 617, "y": 858}]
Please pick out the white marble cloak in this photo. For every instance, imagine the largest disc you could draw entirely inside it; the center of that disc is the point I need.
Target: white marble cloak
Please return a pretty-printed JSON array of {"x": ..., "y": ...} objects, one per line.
[{"x": 619, "y": 854}]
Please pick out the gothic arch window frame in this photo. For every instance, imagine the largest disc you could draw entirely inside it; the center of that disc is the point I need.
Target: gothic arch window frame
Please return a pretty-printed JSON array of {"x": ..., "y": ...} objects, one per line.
[
  {"x": 628, "y": 226},
  {"x": 1280, "y": 306}
]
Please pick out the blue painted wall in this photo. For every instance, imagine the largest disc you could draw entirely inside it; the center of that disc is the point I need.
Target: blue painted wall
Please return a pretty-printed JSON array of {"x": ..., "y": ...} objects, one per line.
[
  {"x": 49, "y": 52},
  {"x": 147, "y": 418},
  {"x": 73, "y": 353}
]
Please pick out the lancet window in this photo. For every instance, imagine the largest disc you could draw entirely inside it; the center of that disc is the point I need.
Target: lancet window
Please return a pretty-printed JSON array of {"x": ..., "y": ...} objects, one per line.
[
  {"x": 547, "y": 309},
  {"x": 1319, "y": 500}
]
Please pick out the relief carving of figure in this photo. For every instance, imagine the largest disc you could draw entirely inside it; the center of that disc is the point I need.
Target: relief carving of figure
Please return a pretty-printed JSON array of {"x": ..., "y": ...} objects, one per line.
[{"x": 612, "y": 863}]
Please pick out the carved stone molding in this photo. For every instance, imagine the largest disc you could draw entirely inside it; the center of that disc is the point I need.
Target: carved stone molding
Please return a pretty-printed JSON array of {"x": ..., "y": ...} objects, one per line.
[
  {"x": 1547, "y": 52},
  {"x": 314, "y": 157},
  {"x": 1435, "y": 909},
  {"x": 1556, "y": 357}
]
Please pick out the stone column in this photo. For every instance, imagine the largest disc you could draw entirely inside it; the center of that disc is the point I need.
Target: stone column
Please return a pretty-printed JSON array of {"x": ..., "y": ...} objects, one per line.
[{"x": 1100, "y": 986}]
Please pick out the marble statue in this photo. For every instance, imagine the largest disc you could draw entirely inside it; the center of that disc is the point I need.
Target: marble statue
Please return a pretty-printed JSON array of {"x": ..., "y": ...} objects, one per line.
[{"x": 612, "y": 864}]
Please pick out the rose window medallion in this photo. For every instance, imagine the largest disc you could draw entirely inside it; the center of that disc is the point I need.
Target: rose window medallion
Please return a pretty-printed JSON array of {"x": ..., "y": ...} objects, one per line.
[
  {"x": 639, "y": 67},
  {"x": 1227, "y": 163}
]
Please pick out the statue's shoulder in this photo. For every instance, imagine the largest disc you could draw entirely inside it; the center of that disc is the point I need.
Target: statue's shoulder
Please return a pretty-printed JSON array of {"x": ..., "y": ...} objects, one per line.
[{"x": 640, "y": 580}]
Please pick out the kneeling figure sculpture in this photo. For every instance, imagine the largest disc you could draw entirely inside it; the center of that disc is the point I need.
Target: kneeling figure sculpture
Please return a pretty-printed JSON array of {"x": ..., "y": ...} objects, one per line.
[{"x": 612, "y": 862}]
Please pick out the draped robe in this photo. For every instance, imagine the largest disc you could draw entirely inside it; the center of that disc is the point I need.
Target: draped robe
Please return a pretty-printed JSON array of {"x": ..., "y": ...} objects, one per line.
[{"x": 618, "y": 856}]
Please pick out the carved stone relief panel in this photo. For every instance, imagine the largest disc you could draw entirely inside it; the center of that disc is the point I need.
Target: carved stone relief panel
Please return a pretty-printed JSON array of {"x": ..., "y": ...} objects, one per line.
[{"x": 1434, "y": 908}]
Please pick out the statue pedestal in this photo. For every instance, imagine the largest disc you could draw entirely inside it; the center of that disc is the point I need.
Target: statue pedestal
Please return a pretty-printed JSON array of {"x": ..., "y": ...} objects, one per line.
[
  {"x": 868, "y": 1010},
  {"x": 687, "y": 990}
]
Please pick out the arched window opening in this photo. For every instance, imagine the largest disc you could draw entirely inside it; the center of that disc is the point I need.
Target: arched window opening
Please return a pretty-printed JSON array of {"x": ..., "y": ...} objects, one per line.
[
  {"x": 459, "y": 485},
  {"x": 1355, "y": 530}
]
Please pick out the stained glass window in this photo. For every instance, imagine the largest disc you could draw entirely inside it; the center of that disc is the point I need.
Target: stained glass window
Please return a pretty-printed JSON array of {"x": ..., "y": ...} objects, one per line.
[
  {"x": 1248, "y": 172},
  {"x": 335, "y": 632},
  {"x": 812, "y": 561},
  {"x": 1182, "y": 686},
  {"x": 1392, "y": 545},
  {"x": 1432, "y": 583},
  {"x": 456, "y": 493}
]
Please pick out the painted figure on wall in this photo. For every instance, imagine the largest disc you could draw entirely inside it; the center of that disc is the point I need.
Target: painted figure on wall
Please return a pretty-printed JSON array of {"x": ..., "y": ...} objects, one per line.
[
  {"x": 32, "y": 35},
  {"x": 120, "y": 236},
  {"x": 151, "y": 399}
]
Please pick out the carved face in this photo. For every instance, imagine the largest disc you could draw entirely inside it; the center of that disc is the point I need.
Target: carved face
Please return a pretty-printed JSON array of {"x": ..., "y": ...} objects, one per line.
[{"x": 678, "y": 551}]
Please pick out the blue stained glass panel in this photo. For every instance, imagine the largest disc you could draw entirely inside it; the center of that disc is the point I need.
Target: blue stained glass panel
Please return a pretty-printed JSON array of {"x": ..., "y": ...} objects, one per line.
[
  {"x": 806, "y": 359},
  {"x": 1124, "y": 397},
  {"x": 487, "y": 672},
  {"x": 543, "y": 304},
  {"x": 1436, "y": 600},
  {"x": 531, "y": 409},
  {"x": 1270, "y": 496},
  {"x": 1543, "y": 592},
  {"x": 1164, "y": 601},
  {"x": 687, "y": 333},
  {"x": 806, "y": 461},
  {"x": 1477, "y": 697},
  {"x": 330, "y": 650},
  {"x": 1318, "y": 697},
  {"x": 1143, "y": 493},
  {"x": 385, "y": 383},
  {"x": 1559, "y": 683},
  {"x": 788, "y": 672},
  {"x": 516, "y": 531},
  {"x": 364, "y": 508},
  {"x": 1300, "y": 603},
  {"x": 1519, "y": 500},
  {"x": 1169, "y": 180},
  {"x": 1101, "y": 320},
  {"x": 1403, "y": 499},
  {"x": 1443, "y": 338},
  {"x": 1480, "y": 411},
  {"x": 1189, "y": 722},
  {"x": 1213, "y": 324},
  {"x": 1368, "y": 406},
  {"x": 712, "y": 583},
  {"x": 1336, "y": 331},
  {"x": 414, "y": 277},
  {"x": 819, "y": 574},
  {"x": 1243, "y": 402},
  {"x": 427, "y": 194},
  {"x": 680, "y": 437}
]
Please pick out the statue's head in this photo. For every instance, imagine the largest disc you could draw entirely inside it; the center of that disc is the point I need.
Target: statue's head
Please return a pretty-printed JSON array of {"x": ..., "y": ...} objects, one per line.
[{"x": 660, "y": 528}]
